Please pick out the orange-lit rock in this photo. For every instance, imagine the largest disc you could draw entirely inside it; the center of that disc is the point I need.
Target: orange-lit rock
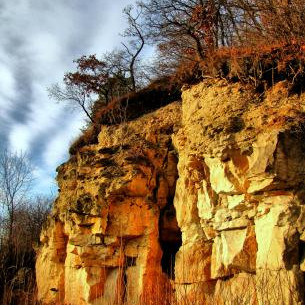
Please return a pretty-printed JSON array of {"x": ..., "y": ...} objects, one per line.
[
  {"x": 240, "y": 193},
  {"x": 103, "y": 244},
  {"x": 203, "y": 207}
]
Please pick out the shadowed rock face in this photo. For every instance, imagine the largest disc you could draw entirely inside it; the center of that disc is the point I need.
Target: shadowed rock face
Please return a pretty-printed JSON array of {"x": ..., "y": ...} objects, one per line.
[{"x": 202, "y": 203}]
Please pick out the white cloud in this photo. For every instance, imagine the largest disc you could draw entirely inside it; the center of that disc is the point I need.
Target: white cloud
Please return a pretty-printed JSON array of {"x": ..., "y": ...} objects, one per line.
[
  {"x": 56, "y": 152},
  {"x": 38, "y": 41},
  {"x": 43, "y": 116},
  {"x": 19, "y": 138},
  {"x": 7, "y": 81},
  {"x": 57, "y": 148},
  {"x": 44, "y": 181},
  {"x": 7, "y": 85}
]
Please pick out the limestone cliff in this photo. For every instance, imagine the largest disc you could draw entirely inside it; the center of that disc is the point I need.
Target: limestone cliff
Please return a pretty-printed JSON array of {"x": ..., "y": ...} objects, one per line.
[{"x": 199, "y": 202}]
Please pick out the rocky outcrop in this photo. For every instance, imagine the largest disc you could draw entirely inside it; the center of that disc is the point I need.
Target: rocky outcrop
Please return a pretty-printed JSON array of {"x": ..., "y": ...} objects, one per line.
[
  {"x": 199, "y": 203},
  {"x": 240, "y": 196},
  {"x": 114, "y": 213}
]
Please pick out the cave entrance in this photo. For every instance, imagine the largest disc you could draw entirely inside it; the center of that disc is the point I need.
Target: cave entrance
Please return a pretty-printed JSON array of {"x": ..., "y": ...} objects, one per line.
[{"x": 170, "y": 238}]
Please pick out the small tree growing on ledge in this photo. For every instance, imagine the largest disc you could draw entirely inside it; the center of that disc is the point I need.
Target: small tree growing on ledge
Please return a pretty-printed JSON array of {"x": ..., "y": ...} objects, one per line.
[
  {"x": 135, "y": 44},
  {"x": 94, "y": 79},
  {"x": 96, "y": 82}
]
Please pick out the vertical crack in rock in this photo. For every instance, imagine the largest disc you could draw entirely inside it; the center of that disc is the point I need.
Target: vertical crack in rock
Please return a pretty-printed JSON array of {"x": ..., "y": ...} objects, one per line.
[{"x": 169, "y": 237}]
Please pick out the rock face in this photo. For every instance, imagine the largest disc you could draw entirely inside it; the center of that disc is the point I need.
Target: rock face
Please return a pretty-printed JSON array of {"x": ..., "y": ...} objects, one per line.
[
  {"x": 199, "y": 203},
  {"x": 240, "y": 196},
  {"x": 113, "y": 215}
]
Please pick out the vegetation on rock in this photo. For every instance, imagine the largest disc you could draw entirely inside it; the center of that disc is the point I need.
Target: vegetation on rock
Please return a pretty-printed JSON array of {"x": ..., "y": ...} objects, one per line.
[
  {"x": 255, "y": 42},
  {"x": 135, "y": 224}
]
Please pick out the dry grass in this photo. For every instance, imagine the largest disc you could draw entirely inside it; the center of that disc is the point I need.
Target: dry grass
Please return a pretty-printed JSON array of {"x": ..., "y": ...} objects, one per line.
[
  {"x": 135, "y": 104},
  {"x": 17, "y": 276},
  {"x": 267, "y": 287},
  {"x": 88, "y": 137},
  {"x": 129, "y": 107},
  {"x": 260, "y": 66},
  {"x": 17, "y": 254}
]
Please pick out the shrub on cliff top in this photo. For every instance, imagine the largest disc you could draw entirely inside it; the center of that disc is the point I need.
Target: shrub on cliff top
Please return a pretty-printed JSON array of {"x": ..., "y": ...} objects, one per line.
[
  {"x": 133, "y": 105},
  {"x": 255, "y": 42},
  {"x": 262, "y": 67}
]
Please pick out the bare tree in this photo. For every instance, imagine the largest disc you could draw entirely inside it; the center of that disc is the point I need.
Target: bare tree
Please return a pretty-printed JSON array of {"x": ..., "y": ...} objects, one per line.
[
  {"x": 17, "y": 254},
  {"x": 29, "y": 218},
  {"x": 98, "y": 81},
  {"x": 74, "y": 95},
  {"x": 197, "y": 26},
  {"x": 276, "y": 21},
  {"x": 94, "y": 81},
  {"x": 37, "y": 212},
  {"x": 136, "y": 41},
  {"x": 80, "y": 87},
  {"x": 16, "y": 176},
  {"x": 189, "y": 28}
]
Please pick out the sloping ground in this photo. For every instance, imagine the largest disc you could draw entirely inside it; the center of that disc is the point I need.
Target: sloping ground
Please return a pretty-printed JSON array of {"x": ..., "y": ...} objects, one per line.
[
  {"x": 227, "y": 192},
  {"x": 135, "y": 104}
]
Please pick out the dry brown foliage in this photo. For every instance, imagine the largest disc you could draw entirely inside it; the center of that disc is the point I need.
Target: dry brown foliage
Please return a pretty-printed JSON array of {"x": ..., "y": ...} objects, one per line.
[
  {"x": 262, "y": 66},
  {"x": 17, "y": 254}
]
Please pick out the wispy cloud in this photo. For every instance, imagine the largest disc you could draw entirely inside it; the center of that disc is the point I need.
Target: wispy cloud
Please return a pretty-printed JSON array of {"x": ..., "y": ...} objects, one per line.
[{"x": 38, "y": 41}]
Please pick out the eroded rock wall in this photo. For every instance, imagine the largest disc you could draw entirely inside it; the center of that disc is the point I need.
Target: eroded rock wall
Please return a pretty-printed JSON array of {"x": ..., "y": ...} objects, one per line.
[
  {"x": 115, "y": 207},
  {"x": 240, "y": 196},
  {"x": 195, "y": 204}
]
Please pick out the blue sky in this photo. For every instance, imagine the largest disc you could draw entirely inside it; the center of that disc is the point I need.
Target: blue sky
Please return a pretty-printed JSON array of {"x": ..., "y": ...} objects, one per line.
[{"x": 38, "y": 41}]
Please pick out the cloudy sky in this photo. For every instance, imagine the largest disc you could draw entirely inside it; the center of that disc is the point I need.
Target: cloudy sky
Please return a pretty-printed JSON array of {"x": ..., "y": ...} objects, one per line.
[{"x": 38, "y": 41}]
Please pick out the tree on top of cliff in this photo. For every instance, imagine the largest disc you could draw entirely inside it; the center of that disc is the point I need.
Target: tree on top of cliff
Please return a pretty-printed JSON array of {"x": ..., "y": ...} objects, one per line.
[
  {"x": 135, "y": 44},
  {"x": 96, "y": 82},
  {"x": 189, "y": 28},
  {"x": 224, "y": 37},
  {"x": 272, "y": 21},
  {"x": 236, "y": 39},
  {"x": 195, "y": 27},
  {"x": 94, "y": 79}
]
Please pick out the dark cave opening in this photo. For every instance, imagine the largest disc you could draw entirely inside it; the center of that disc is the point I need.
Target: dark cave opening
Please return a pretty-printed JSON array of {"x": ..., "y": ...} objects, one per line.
[{"x": 170, "y": 238}]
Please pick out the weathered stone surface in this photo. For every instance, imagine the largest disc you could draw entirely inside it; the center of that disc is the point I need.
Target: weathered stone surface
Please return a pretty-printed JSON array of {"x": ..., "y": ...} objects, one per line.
[
  {"x": 279, "y": 286},
  {"x": 206, "y": 212},
  {"x": 240, "y": 289},
  {"x": 195, "y": 293},
  {"x": 234, "y": 251},
  {"x": 240, "y": 189},
  {"x": 193, "y": 263},
  {"x": 276, "y": 233},
  {"x": 50, "y": 263},
  {"x": 104, "y": 244}
]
